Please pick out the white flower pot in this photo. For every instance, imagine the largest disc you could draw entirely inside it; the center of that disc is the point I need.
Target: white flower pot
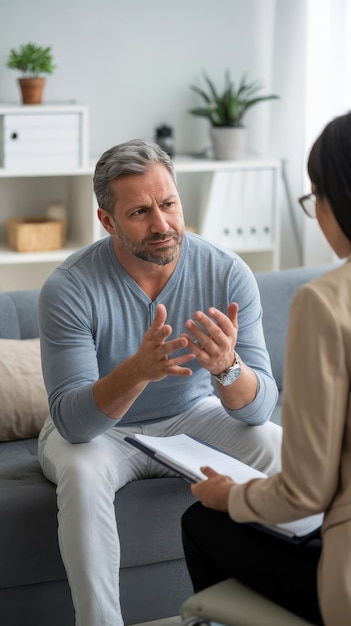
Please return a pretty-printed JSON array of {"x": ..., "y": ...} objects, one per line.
[{"x": 229, "y": 144}]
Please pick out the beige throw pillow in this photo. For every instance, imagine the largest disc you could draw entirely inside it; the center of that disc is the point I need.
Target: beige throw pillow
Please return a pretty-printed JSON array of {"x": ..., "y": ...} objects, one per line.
[{"x": 23, "y": 399}]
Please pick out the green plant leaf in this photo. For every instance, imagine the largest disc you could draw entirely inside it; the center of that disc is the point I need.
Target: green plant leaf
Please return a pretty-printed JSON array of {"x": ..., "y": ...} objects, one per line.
[
  {"x": 32, "y": 60},
  {"x": 212, "y": 88},
  {"x": 201, "y": 93},
  {"x": 227, "y": 108}
]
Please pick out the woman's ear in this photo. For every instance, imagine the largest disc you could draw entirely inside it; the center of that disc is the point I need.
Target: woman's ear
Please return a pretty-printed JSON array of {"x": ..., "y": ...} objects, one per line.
[{"x": 106, "y": 220}]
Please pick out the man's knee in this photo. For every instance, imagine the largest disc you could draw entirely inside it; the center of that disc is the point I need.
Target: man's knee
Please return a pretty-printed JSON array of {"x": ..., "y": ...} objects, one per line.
[
  {"x": 272, "y": 444},
  {"x": 81, "y": 465},
  {"x": 263, "y": 447}
]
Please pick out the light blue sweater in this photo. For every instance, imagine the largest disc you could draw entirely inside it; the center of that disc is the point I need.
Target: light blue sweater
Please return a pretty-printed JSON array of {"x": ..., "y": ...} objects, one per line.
[{"x": 92, "y": 316}]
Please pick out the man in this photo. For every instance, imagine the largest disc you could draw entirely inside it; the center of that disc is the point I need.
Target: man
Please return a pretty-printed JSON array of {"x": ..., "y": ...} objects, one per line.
[{"x": 136, "y": 330}]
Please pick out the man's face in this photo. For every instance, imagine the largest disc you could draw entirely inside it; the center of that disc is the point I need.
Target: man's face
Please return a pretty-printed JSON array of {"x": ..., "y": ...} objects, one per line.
[{"x": 147, "y": 218}]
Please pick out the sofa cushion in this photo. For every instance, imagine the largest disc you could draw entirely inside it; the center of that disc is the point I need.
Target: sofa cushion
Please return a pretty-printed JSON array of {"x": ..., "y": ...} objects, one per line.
[
  {"x": 28, "y": 518},
  {"x": 24, "y": 404},
  {"x": 149, "y": 509}
]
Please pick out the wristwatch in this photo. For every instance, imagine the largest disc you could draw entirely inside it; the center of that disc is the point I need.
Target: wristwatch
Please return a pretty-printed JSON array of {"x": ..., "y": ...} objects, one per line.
[{"x": 232, "y": 373}]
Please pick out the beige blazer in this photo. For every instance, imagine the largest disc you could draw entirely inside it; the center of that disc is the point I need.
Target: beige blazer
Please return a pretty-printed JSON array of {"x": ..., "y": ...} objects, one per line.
[{"x": 316, "y": 452}]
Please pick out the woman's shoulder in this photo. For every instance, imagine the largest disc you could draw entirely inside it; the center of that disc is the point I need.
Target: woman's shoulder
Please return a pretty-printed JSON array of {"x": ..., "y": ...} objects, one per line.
[{"x": 331, "y": 290}]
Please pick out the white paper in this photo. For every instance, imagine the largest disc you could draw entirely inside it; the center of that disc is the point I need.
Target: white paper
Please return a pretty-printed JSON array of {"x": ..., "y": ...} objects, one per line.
[
  {"x": 186, "y": 453},
  {"x": 191, "y": 455}
]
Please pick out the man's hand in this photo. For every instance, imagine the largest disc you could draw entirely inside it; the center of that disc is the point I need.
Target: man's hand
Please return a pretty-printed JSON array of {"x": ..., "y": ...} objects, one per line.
[
  {"x": 153, "y": 357},
  {"x": 213, "y": 492},
  {"x": 115, "y": 393},
  {"x": 213, "y": 338},
  {"x": 212, "y": 341}
]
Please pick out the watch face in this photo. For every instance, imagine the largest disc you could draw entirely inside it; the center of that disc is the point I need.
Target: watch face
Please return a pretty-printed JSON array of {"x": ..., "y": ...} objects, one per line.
[{"x": 228, "y": 377}]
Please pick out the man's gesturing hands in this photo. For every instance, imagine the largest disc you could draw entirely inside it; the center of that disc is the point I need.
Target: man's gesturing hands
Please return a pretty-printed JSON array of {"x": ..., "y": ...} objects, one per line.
[{"x": 211, "y": 340}]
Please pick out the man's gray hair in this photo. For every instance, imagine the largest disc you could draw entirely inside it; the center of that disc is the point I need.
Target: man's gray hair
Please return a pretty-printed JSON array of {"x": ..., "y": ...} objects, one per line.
[{"x": 132, "y": 157}]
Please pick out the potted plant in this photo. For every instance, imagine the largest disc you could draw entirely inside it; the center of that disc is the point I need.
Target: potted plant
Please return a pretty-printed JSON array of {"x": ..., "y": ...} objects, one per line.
[
  {"x": 32, "y": 61},
  {"x": 226, "y": 111}
]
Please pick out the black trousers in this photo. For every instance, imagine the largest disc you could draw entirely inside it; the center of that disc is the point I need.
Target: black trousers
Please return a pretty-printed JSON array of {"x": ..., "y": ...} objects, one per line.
[{"x": 216, "y": 548}]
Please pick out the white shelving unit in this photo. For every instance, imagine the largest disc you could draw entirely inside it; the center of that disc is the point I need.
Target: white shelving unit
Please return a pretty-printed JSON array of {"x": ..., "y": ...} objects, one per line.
[
  {"x": 236, "y": 206},
  {"x": 23, "y": 195},
  {"x": 44, "y": 160},
  {"x": 216, "y": 197},
  {"x": 34, "y": 137}
]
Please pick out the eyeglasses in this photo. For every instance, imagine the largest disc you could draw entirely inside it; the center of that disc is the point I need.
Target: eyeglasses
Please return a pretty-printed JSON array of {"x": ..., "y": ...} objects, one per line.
[{"x": 308, "y": 204}]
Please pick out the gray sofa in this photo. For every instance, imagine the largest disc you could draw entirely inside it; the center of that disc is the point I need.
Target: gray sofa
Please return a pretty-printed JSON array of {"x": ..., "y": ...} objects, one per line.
[{"x": 154, "y": 581}]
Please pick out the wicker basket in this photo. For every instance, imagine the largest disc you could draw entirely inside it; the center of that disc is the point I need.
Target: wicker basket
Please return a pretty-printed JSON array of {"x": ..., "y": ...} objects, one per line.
[{"x": 35, "y": 234}]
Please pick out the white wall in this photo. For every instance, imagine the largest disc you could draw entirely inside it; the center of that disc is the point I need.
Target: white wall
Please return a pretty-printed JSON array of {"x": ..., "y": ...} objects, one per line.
[
  {"x": 328, "y": 91},
  {"x": 132, "y": 62}
]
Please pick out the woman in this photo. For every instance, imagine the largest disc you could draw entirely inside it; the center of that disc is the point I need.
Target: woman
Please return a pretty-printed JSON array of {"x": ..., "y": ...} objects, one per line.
[{"x": 312, "y": 580}]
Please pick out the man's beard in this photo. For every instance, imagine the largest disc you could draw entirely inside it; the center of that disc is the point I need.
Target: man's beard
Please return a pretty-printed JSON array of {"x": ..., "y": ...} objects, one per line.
[{"x": 141, "y": 251}]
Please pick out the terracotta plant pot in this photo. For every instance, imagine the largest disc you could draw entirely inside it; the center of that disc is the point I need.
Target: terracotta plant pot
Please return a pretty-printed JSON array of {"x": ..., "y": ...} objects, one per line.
[{"x": 32, "y": 90}]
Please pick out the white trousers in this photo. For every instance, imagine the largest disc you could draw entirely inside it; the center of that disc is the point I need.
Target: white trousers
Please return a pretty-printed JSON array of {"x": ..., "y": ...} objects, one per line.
[{"x": 88, "y": 475}]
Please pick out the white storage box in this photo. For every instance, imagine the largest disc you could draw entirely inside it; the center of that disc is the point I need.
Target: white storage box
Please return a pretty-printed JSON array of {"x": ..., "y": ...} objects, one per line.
[{"x": 43, "y": 138}]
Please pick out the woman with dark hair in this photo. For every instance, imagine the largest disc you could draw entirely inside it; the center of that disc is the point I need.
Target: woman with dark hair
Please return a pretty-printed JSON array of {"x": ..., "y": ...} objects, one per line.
[{"x": 312, "y": 579}]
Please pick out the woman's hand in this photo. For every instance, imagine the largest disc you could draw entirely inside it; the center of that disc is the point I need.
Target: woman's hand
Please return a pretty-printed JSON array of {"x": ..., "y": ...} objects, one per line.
[{"x": 214, "y": 491}]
